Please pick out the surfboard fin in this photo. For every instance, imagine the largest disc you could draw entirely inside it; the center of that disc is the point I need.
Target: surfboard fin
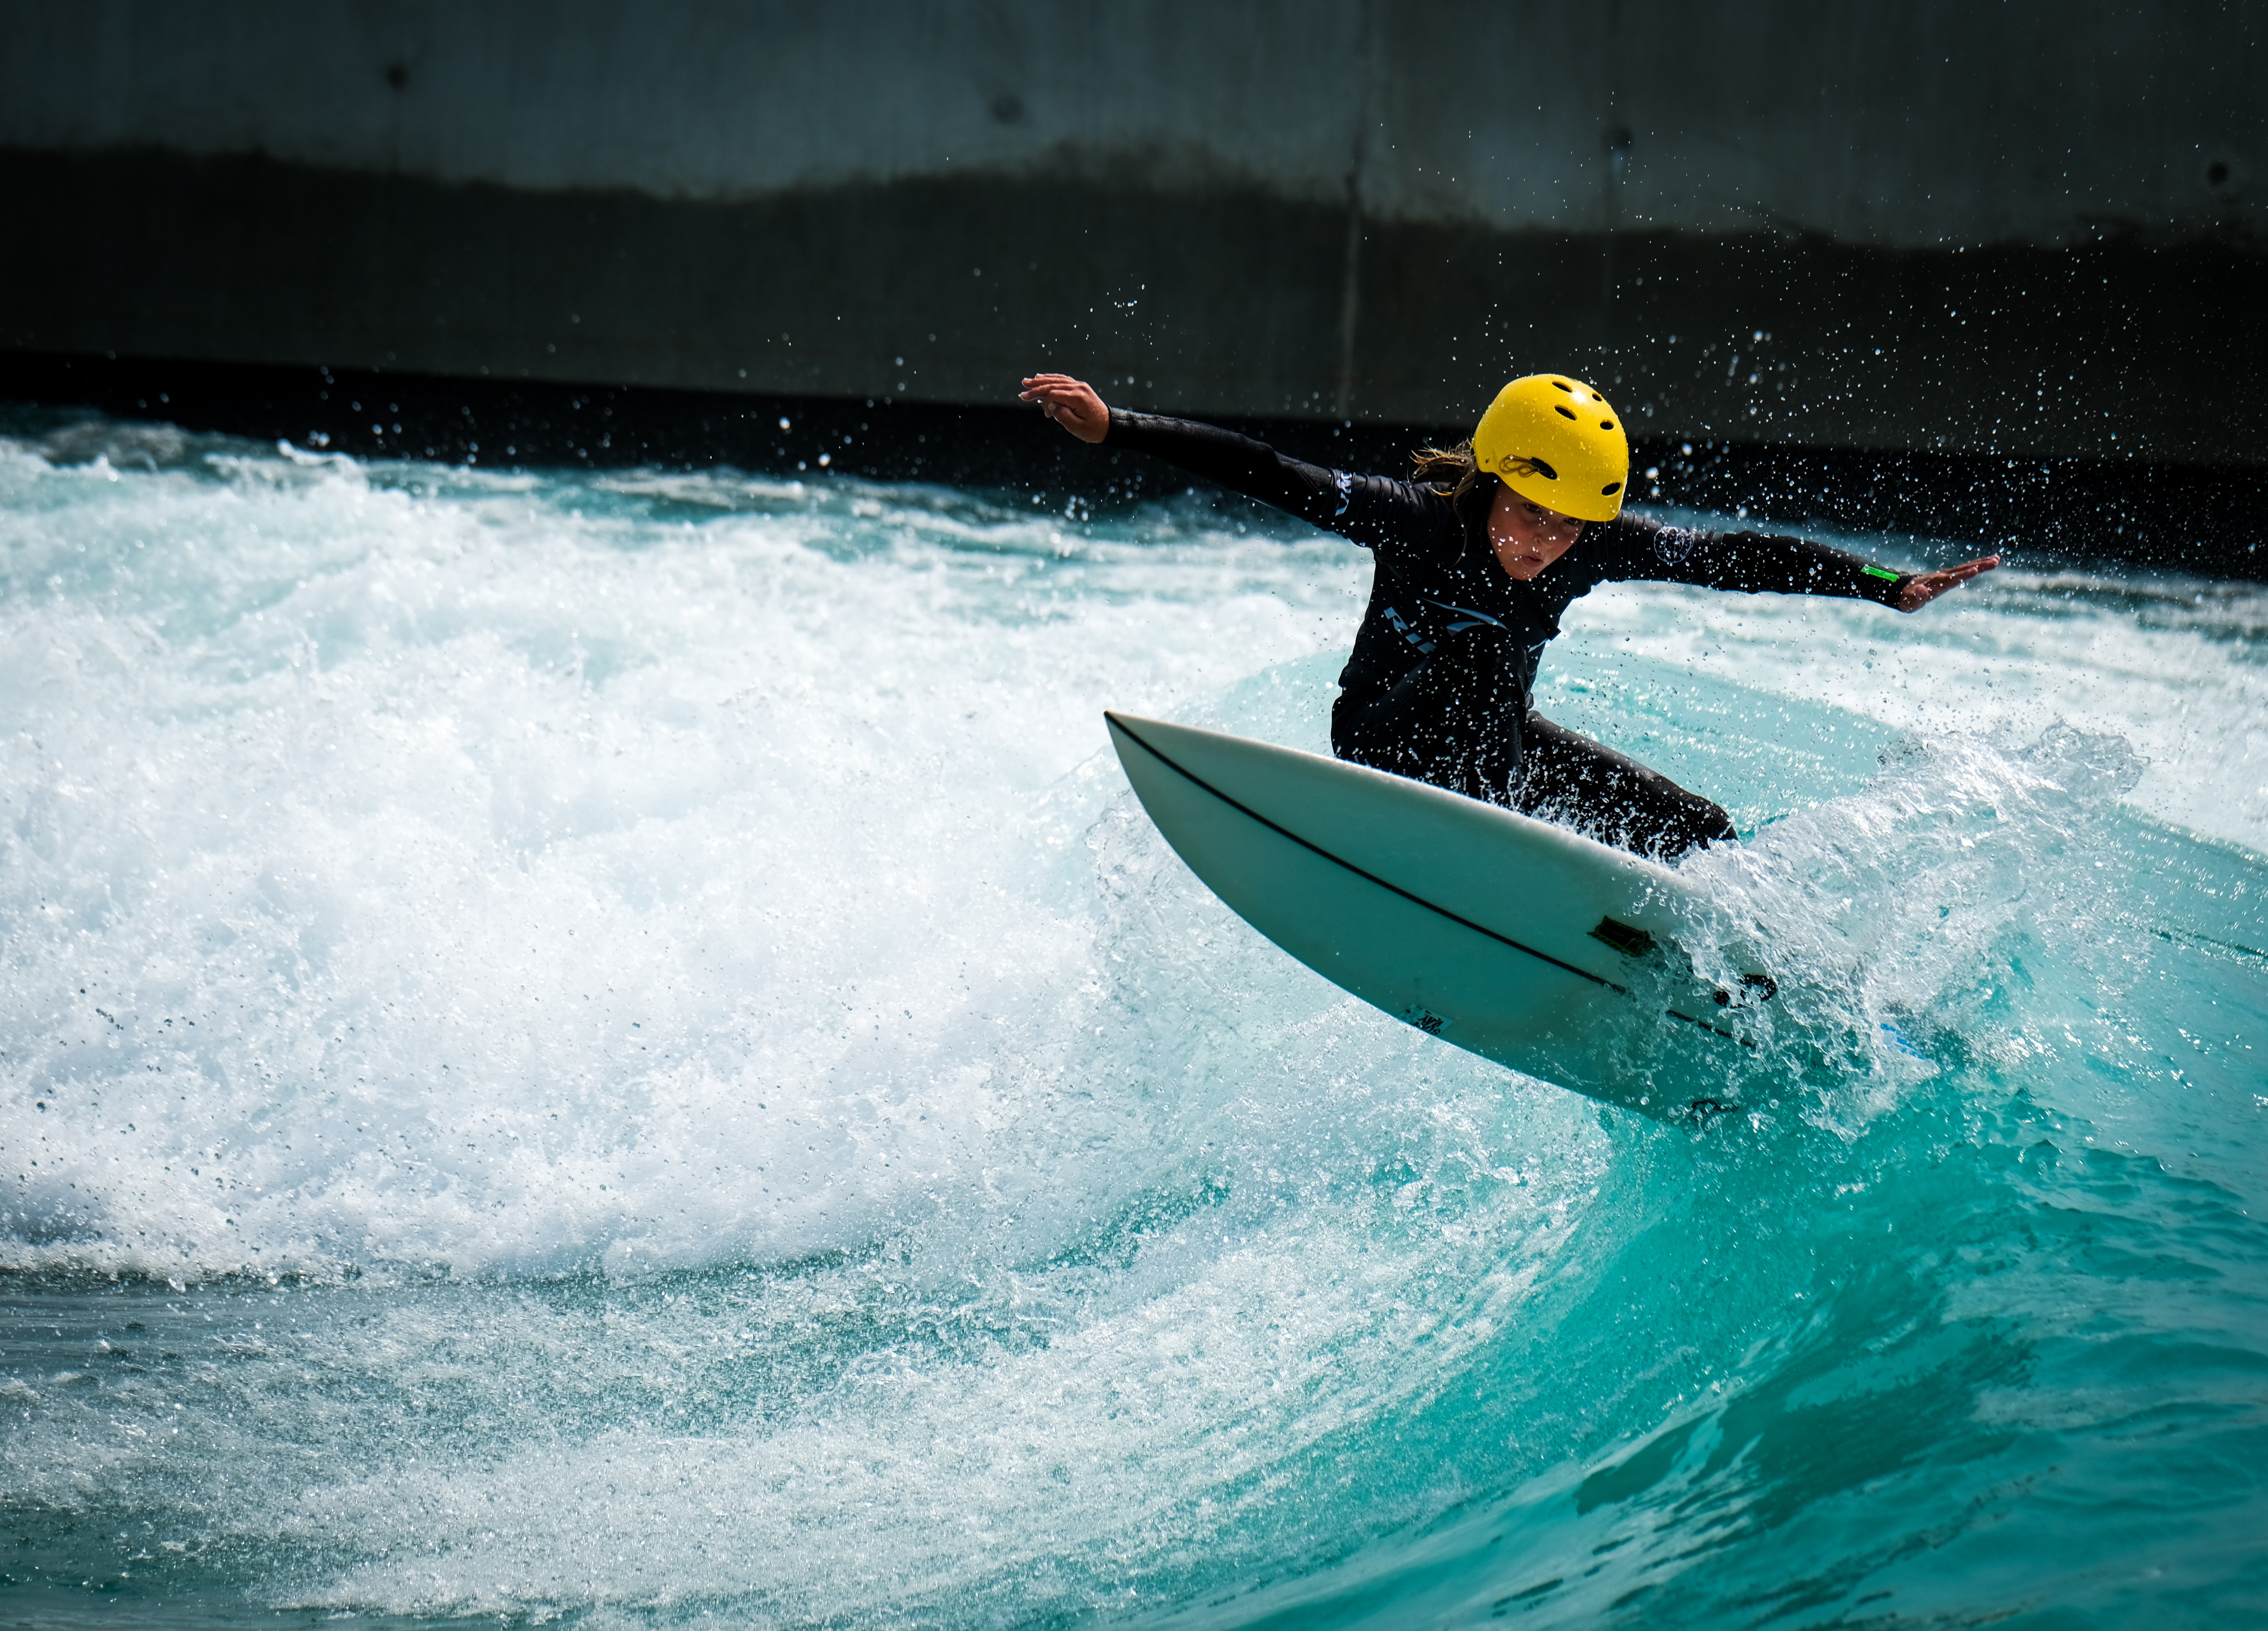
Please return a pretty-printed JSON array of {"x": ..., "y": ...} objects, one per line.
[{"x": 1626, "y": 938}]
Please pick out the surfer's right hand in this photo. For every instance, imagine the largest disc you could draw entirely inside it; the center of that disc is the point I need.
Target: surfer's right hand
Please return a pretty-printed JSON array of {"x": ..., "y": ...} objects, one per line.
[{"x": 1072, "y": 403}]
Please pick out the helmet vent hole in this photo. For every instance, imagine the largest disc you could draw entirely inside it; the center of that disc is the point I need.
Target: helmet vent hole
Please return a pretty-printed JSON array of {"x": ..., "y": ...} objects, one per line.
[
  {"x": 1609, "y": 490},
  {"x": 1563, "y": 410},
  {"x": 1606, "y": 424},
  {"x": 1563, "y": 385}
]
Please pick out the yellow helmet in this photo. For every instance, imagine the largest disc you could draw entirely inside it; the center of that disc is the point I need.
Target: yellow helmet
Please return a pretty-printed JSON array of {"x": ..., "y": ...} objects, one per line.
[{"x": 1554, "y": 440}]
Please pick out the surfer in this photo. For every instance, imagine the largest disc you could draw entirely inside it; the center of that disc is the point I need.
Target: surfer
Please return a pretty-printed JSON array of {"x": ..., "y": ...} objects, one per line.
[{"x": 1478, "y": 558}]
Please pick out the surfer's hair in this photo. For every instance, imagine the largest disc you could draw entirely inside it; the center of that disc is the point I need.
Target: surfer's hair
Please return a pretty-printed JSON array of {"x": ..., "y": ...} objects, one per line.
[{"x": 1452, "y": 470}]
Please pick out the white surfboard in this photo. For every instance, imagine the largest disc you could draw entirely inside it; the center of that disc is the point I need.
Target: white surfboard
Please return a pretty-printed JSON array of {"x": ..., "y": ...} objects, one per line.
[{"x": 1523, "y": 941}]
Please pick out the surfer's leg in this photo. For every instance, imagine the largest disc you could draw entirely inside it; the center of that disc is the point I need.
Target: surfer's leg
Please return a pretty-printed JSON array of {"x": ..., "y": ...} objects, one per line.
[
  {"x": 1587, "y": 784},
  {"x": 1454, "y": 721}
]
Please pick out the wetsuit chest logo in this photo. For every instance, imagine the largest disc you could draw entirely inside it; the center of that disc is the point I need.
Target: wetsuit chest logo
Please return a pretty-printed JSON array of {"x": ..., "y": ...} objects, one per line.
[
  {"x": 1406, "y": 632},
  {"x": 1471, "y": 619}
]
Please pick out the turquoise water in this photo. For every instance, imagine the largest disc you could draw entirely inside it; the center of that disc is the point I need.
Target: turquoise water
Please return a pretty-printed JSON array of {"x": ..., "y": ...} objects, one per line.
[{"x": 613, "y": 1050}]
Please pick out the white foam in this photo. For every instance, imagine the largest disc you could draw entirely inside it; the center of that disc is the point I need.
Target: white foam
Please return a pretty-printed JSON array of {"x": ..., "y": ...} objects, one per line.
[{"x": 505, "y": 879}]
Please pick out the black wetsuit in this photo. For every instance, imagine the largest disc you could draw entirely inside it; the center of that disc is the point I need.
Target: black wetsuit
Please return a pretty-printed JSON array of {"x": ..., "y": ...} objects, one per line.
[{"x": 1441, "y": 681}]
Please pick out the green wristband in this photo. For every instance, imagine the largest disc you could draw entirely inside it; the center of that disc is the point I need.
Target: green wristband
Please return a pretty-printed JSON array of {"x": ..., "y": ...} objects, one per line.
[{"x": 1876, "y": 571}]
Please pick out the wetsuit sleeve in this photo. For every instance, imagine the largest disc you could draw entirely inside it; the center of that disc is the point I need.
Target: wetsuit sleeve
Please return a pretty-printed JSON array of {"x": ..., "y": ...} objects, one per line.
[
  {"x": 1372, "y": 510},
  {"x": 1755, "y": 563}
]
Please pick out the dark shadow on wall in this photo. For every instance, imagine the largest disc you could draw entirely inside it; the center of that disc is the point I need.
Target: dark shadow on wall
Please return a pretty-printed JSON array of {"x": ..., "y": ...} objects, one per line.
[{"x": 1218, "y": 300}]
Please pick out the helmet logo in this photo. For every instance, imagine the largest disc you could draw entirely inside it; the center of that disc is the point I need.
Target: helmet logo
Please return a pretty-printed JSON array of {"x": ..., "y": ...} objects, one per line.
[{"x": 1515, "y": 465}]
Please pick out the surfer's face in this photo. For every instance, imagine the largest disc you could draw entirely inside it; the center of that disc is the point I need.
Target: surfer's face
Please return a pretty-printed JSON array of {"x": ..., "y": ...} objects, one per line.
[{"x": 1525, "y": 536}]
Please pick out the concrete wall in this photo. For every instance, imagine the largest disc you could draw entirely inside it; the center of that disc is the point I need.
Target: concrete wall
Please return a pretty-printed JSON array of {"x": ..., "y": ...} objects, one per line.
[{"x": 2025, "y": 228}]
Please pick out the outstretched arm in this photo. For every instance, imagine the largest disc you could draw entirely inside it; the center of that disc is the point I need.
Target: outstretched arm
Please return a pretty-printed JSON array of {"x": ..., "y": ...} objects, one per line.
[
  {"x": 1770, "y": 563},
  {"x": 1370, "y": 510},
  {"x": 1919, "y": 591}
]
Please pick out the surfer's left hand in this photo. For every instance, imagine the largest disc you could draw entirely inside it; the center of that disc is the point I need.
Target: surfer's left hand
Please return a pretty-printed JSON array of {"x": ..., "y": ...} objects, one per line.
[{"x": 1925, "y": 587}]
